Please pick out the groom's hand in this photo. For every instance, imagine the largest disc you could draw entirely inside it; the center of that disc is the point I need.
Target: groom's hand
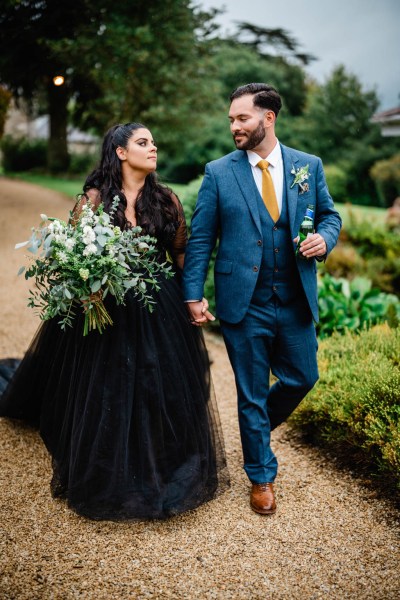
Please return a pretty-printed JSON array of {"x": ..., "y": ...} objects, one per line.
[
  {"x": 314, "y": 245},
  {"x": 199, "y": 313}
]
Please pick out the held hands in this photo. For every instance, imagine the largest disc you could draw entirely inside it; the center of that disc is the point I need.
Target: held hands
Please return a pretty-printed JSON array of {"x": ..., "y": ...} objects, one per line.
[
  {"x": 199, "y": 313},
  {"x": 314, "y": 245}
]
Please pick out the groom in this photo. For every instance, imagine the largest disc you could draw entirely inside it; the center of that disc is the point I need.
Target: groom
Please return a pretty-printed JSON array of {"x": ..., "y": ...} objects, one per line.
[{"x": 254, "y": 200}]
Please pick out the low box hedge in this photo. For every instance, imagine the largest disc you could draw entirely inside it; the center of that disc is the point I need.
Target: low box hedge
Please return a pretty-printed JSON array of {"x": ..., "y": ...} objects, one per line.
[{"x": 356, "y": 403}]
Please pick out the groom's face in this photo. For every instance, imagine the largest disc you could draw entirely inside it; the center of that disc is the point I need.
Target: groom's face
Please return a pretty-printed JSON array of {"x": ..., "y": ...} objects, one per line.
[{"x": 247, "y": 123}]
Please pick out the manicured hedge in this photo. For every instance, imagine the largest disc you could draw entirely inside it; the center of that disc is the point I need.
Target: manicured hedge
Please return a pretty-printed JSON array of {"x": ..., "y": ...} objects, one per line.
[{"x": 356, "y": 403}]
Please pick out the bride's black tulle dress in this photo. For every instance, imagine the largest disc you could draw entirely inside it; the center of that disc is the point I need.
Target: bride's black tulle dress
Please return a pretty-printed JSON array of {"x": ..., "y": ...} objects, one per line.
[{"x": 128, "y": 416}]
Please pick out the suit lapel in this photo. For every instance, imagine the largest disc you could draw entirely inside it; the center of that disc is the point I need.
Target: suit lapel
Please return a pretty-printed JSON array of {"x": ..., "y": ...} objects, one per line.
[
  {"x": 292, "y": 193},
  {"x": 242, "y": 171}
]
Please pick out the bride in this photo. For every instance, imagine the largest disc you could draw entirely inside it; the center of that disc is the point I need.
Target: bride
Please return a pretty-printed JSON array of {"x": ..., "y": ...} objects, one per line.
[{"x": 128, "y": 416}]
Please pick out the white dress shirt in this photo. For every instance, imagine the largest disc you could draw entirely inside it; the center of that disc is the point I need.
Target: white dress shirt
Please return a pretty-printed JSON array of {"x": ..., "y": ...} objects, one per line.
[{"x": 275, "y": 168}]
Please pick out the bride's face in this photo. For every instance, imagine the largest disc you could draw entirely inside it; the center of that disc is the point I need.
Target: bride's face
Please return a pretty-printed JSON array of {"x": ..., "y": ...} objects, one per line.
[{"x": 140, "y": 153}]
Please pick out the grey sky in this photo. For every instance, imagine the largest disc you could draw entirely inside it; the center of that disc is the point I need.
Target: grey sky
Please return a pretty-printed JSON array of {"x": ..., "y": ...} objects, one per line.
[{"x": 364, "y": 35}]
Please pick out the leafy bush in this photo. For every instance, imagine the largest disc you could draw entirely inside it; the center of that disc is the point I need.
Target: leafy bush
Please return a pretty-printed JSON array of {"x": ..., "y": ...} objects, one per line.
[
  {"x": 82, "y": 163},
  {"x": 337, "y": 180},
  {"x": 189, "y": 198},
  {"x": 356, "y": 403},
  {"x": 386, "y": 175},
  {"x": 351, "y": 305},
  {"x": 379, "y": 250},
  {"x": 22, "y": 154},
  {"x": 372, "y": 240},
  {"x": 344, "y": 262}
]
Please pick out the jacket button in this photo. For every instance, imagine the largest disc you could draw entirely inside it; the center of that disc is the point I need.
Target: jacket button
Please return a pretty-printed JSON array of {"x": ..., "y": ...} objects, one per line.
[
  {"x": 255, "y": 269},
  {"x": 274, "y": 288},
  {"x": 276, "y": 269},
  {"x": 276, "y": 250},
  {"x": 259, "y": 243}
]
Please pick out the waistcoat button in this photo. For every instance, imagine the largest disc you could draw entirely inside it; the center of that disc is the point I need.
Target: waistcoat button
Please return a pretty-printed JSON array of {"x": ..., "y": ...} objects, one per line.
[
  {"x": 259, "y": 243},
  {"x": 276, "y": 250},
  {"x": 255, "y": 269},
  {"x": 275, "y": 228}
]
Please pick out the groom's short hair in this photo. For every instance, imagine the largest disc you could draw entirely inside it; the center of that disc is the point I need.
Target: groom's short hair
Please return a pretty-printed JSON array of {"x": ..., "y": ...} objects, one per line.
[{"x": 264, "y": 96}]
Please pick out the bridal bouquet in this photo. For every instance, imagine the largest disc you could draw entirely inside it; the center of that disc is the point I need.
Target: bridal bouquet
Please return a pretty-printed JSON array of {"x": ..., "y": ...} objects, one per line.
[{"x": 78, "y": 265}]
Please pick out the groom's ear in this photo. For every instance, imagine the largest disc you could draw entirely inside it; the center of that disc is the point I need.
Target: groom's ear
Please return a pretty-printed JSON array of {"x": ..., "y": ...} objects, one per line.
[{"x": 269, "y": 118}]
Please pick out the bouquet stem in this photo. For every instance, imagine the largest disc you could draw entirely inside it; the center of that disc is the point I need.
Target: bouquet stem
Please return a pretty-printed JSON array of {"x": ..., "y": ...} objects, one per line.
[{"x": 96, "y": 317}]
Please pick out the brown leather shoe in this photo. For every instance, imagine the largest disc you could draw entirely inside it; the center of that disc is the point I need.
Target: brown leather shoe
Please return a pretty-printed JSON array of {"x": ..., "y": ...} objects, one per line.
[{"x": 262, "y": 498}]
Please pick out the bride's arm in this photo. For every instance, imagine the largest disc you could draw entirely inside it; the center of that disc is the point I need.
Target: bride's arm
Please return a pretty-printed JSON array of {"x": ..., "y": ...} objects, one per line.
[
  {"x": 180, "y": 239},
  {"x": 92, "y": 197}
]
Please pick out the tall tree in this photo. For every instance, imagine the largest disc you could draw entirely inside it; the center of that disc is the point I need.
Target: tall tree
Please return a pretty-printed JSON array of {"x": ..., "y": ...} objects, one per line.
[
  {"x": 271, "y": 43},
  {"x": 119, "y": 61}
]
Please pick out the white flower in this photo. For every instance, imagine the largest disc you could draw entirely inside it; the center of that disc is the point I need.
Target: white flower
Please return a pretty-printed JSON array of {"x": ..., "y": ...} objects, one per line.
[
  {"x": 54, "y": 227},
  {"x": 60, "y": 238},
  {"x": 90, "y": 249},
  {"x": 88, "y": 235},
  {"x": 62, "y": 257},
  {"x": 70, "y": 243}
]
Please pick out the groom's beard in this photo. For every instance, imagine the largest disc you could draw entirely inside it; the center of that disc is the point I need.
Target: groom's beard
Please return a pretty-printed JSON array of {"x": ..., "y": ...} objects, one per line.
[{"x": 251, "y": 140}]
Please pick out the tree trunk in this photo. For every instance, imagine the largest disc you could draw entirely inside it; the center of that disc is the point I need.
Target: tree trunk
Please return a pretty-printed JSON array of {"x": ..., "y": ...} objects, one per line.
[{"x": 58, "y": 157}]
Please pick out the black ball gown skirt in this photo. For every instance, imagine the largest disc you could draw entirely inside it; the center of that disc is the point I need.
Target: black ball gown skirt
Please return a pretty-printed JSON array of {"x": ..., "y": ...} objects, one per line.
[{"x": 128, "y": 416}]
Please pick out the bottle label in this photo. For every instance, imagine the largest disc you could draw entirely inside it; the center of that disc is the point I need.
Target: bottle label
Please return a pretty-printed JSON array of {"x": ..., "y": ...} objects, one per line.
[{"x": 309, "y": 213}]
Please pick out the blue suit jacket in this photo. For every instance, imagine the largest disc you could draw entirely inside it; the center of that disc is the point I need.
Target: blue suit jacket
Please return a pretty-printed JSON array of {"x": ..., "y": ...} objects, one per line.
[{"x": 227, "y": 209}]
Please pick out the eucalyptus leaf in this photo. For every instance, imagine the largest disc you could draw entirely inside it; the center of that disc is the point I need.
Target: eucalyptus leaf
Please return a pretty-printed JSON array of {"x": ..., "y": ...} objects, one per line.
[{"x": 96, "y": 285}]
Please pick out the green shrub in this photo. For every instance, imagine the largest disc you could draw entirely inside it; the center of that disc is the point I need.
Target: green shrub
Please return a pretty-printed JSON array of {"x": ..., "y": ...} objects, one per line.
[
  {"x": 344, "y": 261},
  {"x": 386, "y": 175},
  {"x": 353, "y": 305},
  {"x": 372, "y": 239},
  {"x": 22, "y": 154},
  {"x": 379, "y": 250},
  {"x": 189, "y": 198},
  {"x": 82, "y": 163},
  {"x": 356, "y": 403},
  {"x": 337, "y": 180}
]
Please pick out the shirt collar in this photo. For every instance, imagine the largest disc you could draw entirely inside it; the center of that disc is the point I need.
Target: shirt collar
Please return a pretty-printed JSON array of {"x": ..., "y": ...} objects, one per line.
[{"x": 273, "y": 157}]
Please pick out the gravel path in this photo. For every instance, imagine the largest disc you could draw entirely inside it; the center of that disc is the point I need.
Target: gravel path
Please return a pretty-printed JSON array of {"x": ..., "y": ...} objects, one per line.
[{"x": 330, "y": 538}]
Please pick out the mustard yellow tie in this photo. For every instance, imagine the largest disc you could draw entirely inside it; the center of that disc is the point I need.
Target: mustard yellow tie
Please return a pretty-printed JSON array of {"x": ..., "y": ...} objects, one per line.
[{"x": 268, "y": 190}]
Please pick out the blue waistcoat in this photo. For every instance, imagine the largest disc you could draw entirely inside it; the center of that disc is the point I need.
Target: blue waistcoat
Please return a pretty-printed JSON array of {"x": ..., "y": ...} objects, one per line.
[{"x": 278, "y": 272}]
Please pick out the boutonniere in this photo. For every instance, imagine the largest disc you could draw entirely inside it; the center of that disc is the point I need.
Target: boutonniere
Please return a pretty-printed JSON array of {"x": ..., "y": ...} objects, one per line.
[{"x": 300, "y": 176}]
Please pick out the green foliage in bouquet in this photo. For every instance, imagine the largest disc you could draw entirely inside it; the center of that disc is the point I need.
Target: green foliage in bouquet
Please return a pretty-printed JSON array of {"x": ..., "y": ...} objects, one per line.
[
  {"x": 352, "y": 305},
  {"x": 355, "y": 407},
  {"x": 79, "y": 264}
]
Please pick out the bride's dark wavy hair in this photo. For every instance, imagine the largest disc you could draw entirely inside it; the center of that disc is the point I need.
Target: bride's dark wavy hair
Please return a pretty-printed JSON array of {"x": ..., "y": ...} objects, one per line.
[{"x": 156, "y": 212}]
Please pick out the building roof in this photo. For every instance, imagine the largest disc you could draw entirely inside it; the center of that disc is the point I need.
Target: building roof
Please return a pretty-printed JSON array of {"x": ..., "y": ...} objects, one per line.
[
  {"x": 389, "y": 120},
  {"x": 387, "y": 116}
]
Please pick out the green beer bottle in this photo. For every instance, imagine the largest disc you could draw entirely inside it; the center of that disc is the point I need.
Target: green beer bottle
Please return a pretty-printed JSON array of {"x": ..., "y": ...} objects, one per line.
[{"x": 306, "y": 228}]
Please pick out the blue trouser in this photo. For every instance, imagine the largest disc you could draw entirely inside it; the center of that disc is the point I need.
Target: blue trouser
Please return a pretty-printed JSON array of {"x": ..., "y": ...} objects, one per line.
[{"x": 277, "y": 338}]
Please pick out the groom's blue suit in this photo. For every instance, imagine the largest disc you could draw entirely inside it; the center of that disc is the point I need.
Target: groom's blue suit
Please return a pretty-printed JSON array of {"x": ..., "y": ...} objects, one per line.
[{"x": 266, "y": 298}]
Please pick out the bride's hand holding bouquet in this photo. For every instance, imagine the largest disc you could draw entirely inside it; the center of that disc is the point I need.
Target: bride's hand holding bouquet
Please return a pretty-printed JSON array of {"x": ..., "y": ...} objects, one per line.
[{"x": 80, "y": 262}]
